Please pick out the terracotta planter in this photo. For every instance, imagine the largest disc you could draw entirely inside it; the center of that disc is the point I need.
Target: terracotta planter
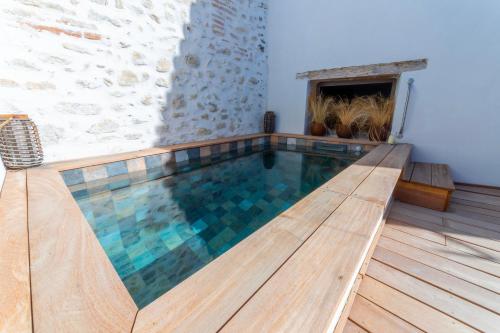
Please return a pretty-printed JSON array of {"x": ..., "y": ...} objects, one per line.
[
  {"x": 318, "y": 129},
  {"x": 378, "y": 133},
  {"x": 345, "y": 132}
]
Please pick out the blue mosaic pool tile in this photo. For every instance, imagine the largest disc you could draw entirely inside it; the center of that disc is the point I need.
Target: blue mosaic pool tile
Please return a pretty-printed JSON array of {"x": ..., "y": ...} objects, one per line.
[
  {"x": 152, "y": 162},
  {"x": 233, "y": 146},
  {"x": 116, "y": 168},
  {"x": 181, "y": 157},
  {"x": 193, "y": 153},
  {"x": 301, "y": 143},
  {"x": 73, "y": 177},
  {"x": 339, "y": 148},
  {"x": 215, "y": 151},
  {"x": 248, "y": 145}
]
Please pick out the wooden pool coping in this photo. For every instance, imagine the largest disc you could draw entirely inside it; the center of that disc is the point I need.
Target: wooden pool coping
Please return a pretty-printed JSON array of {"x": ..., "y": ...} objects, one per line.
[{"x": 307, "y": 260}]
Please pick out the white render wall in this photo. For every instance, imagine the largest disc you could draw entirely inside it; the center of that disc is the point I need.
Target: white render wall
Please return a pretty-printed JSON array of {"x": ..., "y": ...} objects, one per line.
[
  {"x": 454, "y": 115},
  {"x": 108, "y": 76}
]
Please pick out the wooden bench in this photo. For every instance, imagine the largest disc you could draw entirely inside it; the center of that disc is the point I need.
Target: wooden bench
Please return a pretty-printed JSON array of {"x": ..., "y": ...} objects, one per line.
[{"x": 426, "y": 185}]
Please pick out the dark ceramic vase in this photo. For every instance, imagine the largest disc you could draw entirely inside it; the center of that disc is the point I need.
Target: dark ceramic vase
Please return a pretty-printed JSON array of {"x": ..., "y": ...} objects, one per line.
[
  {"x": 318, "y": 129},
  {"x": 269, "y": 122}
]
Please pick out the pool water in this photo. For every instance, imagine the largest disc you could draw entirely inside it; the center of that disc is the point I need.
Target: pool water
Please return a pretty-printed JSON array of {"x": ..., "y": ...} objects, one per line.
[{"x": 159, "y": 232}]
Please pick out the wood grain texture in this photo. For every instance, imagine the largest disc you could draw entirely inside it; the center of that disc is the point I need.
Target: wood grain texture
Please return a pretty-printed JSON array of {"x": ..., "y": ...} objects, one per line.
[
  {"x": 436, "y": 261},
  {"x": 15, "y": 299},
  {"x": 441, "y": 177},
  {"x": 322, "y": 272},
  {"x": 349, "y": 179},
  {"x": 352, "y": 327},
  {"x": 206, "y": 300},
  {"x": 413, "y": 311},
  {"x": 376, "y": 319},
  {"x": 422, "y": 195},
  {"x": 391, "y": 68},
  {"x": 422, "y": 174},
  {"x": 455, "y": 307},
  {"x": 435, "y": 277},
  {"x": 380, "y": 184},
  {"x": 407, "y": 172},
  {"x": 74, "y": 285}
]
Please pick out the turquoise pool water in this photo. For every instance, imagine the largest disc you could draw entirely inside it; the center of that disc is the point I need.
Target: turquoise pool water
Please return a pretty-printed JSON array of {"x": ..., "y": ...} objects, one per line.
[{"x": 159, "y": 232}]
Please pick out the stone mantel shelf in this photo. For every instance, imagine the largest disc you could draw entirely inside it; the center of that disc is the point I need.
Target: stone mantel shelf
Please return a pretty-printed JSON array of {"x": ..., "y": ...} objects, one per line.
[{"x": 390, "y": 68}]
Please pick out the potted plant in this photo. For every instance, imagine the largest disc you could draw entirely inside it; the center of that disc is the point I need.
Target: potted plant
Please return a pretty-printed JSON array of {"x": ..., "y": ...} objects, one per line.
[
  {"x": 380, "y": 110},
  {"x": 319, "y": 109},
  {"x": 350, "y": 116}
]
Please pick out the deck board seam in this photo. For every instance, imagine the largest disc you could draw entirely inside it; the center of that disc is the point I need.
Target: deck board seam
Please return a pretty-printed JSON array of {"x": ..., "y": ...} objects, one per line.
[
  {"x": 380, "y": 306},
  {"x": 29, "y": 249},
  {"x": 424, "y": 303},
  {"x": 309, "y": 236},
  {"x": 279, "y": 267},
  {"x": 402, "y": 253},
  {"x": 388, "y": 263}
]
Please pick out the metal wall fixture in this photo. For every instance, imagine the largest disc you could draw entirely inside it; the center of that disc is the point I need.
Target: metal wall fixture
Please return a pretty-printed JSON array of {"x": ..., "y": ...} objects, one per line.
[
  {"x": 407, "y": 102},
  {"x": 20, "y": 145}
]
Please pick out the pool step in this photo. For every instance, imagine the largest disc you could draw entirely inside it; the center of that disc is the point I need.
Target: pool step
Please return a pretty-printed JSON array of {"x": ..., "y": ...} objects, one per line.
[{"x": 426, "y": 185}]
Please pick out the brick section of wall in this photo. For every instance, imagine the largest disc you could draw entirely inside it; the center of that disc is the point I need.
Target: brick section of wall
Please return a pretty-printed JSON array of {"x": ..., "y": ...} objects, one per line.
[{"x": 101, "y": 77}]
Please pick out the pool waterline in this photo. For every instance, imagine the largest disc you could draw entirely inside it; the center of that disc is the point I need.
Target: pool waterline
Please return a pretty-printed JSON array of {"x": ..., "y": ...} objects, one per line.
[{"x": 158, "y": 232}]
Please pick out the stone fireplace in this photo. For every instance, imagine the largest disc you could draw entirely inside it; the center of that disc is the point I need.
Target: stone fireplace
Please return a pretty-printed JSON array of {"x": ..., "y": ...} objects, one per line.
[{"x": 357, "y": 81}]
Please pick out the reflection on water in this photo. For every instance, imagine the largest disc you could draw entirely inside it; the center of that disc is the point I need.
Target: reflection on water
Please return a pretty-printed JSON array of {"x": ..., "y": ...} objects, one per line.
[{"x": 159, "y": 232}]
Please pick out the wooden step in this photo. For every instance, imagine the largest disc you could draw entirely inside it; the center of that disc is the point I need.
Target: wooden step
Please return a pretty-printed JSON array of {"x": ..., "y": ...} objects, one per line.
[{"x": 426, "y": 185}]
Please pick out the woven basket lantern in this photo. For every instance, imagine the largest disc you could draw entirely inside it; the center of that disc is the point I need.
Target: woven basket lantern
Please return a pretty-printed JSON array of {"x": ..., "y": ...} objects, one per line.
[{"x": 20, "y": 145}]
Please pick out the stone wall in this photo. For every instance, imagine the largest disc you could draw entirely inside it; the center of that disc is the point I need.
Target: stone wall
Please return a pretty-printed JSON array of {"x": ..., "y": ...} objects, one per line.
[{"x": 107, "y": 76}]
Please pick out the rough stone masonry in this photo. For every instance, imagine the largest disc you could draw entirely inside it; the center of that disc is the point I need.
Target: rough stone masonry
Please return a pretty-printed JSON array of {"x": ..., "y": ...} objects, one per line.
[{"x": 108, "y": 76}]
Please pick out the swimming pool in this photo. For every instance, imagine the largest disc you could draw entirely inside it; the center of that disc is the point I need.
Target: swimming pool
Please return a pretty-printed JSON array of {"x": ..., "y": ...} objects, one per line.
[{"x": 159, "y": 228}]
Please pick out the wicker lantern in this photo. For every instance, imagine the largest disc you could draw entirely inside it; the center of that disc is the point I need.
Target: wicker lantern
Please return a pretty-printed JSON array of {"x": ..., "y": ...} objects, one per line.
[
  {"x": 20, "y": 145},
  {"x": 269, "y": 122}
]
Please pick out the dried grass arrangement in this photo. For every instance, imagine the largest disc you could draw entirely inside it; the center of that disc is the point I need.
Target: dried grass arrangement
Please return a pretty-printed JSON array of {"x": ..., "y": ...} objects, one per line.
[
  {"x": 319, "y": 109},
  {"x": 380, "y": 111},
  {"x": 350, "y": 116}
]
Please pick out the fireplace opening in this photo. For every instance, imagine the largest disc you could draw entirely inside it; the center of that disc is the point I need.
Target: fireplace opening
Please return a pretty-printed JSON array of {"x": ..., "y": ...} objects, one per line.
[
  {"x": 355, "y": 90},
  {"x": 380, "y": 89}
]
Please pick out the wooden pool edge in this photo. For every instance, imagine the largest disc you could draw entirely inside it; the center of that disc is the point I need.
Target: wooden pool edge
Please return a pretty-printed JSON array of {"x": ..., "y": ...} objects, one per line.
[{"x": 116, "y": 312}]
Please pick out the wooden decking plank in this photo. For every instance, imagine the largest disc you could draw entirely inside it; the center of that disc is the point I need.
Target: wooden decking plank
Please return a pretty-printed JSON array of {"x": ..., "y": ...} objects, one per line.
[
  {"x": 418, "y": 213},
  {"x": 475, "y": 204},
  {"x": 437, "y": 278},
  {"x": 493, "y": 225},
  {"x": 380, "y": 184},
  {"x": 445, "y": 252},
  {"x": 450, "y": 228},
  {"x": 415, "y": 312},
  {"x": 373, "y": 318},
  {"x": 459, "y": 270},
  {"x": 15, "y": 298},
  {"x": 416, "y": 230},
  {"x": 351, "y": 327},
  {"x": 407, "y": 172},
  {"x": 475, "y": 250},
  {"x": 456, "y": 307},
  {"x": 476, "y": 212},
  {"x": 441, "y": 177},
  {"x": 320, "y": 272},
  {"x": 478, "y": 189},
  {"x": 475, "y": 235},
  {"x": 74, "y": 284},
  {"x": 422, "y": 174},
  {"x": 208, "y": 299},
  {"x": 477, "y": 198},
  {"x": 349, "y": 179}
]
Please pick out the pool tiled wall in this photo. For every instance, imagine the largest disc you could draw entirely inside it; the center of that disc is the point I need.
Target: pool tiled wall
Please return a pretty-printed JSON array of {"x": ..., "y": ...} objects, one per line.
[{"x": 162, "y": 165}]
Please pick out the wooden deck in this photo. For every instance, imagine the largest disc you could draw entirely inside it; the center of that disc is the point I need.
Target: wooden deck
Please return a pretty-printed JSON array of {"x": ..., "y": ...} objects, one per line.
[
  {"x": 433, "y": 271},
  {"x": 57, "y": 278}
]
